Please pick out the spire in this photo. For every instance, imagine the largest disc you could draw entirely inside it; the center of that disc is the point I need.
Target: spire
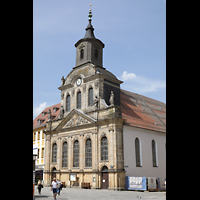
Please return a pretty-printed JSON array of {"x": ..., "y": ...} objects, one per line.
[{"x": 89, "y": 30}]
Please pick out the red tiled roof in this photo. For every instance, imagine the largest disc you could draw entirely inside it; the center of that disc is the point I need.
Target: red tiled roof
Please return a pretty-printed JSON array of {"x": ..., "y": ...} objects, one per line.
[
  {"x": 143, "y": 112},
  {"x": 45, "y": 118},
  {"x": 137, "y": 110}
]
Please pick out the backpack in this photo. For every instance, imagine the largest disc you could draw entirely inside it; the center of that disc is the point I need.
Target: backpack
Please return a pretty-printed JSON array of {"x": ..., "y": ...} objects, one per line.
[{"x": 59, "y": 184}]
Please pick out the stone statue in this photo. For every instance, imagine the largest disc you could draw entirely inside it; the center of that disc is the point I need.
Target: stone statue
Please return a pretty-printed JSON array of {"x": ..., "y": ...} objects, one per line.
[
  {"x": 61, "y": 112},
  {"x": 111, "y": 100},
  {"x": 95, "y": 102},
  {"x": 63, "y": 80}
]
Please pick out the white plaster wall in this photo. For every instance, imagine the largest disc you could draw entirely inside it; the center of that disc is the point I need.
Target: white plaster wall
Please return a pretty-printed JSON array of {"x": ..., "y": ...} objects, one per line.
[{"x": 145, "y": 137}]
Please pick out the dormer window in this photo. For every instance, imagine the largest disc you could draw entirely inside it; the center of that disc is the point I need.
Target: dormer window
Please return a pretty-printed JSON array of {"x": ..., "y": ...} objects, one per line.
[
  {"x": 55, "y": 109},
  {"x": 40, "y": 121},
  {"x": 52, "y": 117},
  {"x": 44, "y": 113},
  {"x": 81, "y": 54}
]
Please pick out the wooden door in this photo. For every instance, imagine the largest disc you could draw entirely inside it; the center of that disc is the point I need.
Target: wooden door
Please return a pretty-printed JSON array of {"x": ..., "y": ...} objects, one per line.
[
  {"x": 104, "y": 180},
  {"x": 53, "y": 174}
]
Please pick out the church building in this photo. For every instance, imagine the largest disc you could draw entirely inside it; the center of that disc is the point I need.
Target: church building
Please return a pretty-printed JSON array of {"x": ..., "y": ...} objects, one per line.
[{"x": 102, "y": 133}]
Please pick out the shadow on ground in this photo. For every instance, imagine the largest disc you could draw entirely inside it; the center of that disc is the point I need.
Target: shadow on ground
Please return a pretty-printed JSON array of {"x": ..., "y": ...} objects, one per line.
[{"x": 41, "y": 196}]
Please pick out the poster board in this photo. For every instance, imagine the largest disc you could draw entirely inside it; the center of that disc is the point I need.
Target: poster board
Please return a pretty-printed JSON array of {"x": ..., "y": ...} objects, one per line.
[
  {"x": 72, "y": 177},
  {"x": 162, "y": 183},
  {"x": 152, "y": 183},
  {"x": 135, "y": 183}
]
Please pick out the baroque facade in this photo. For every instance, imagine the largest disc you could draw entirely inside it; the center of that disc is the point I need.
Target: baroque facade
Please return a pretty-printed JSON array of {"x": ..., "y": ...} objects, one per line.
[
  {"x": 86, "y": 139},
  {"x": 102, "y": 133}
]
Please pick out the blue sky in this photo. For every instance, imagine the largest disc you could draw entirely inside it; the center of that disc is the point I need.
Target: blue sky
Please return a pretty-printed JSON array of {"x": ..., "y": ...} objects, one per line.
[{"x": 134, "y": 34}]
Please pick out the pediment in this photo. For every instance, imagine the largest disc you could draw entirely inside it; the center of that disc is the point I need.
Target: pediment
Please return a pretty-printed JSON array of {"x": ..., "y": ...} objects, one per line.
[{"x": 75, "y": 118}]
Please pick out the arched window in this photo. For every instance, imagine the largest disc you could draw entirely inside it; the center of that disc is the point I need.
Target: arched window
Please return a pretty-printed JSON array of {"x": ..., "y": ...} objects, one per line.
[
  {"x": 76, "y": 154},
  {"x": 68, "y": 103},
  {"x": 54, "y": 153},
  {"x": 81, "y": 54},
  {"x": 88, "y": 153},
  {"x": 137, "y": 152},
  {"x": 65, "y": 154},
  {"x": 96, "y": 54},
  {"x": 79, "y": 100},
  {"x": 90, "y": 97},
  {"x": 154, "y": 157},
  {"x": 104, "y": 148}
]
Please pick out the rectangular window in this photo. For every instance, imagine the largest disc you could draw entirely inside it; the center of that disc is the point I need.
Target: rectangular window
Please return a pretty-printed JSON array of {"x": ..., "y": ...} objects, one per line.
[
  {"x": 42, "y": 135},
  {"x": 38, "y": 135},
  {"x": 38, "y": 156},
  {"x": 34, "y": 136},
  {"x": 42, "y": 153}
]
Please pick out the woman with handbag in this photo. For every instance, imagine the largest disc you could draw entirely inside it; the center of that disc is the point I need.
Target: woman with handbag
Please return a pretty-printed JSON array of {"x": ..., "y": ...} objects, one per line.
[{"x": 39, "y": 186}]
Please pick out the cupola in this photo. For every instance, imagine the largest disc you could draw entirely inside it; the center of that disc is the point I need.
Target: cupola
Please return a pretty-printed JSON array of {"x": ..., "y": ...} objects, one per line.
[{"x": 89, "y": 49}]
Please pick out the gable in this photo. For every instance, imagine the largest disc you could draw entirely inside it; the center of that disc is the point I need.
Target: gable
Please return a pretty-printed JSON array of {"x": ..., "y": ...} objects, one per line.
[{"x": 75, "y": 118}]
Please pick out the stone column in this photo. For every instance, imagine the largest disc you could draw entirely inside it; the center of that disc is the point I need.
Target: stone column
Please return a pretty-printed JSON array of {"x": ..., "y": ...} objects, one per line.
[
  {"x": 59, "y": 160},
  {"x": 70, "y": 156},
  {"x": 94, "y": 151},
  {"x": 81, "y": 152},
  {"x": 59, "y": 164},
  {"x": 47, "y": 160}
]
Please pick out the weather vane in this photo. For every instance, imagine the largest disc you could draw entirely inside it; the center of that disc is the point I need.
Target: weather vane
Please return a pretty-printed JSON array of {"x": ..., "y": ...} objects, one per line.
[{"x": 90, "y": 13}]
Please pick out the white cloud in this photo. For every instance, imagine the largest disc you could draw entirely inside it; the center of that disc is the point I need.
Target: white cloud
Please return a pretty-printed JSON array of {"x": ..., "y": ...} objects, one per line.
[
  {"x": 139, "y": 84},
  {"x": 128, "y": 76},
  {"x": 39, "y": 109}
]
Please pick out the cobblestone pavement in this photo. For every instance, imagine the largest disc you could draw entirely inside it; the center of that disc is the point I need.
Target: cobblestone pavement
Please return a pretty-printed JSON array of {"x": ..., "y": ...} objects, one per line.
[{"x": 89, "y": 194}]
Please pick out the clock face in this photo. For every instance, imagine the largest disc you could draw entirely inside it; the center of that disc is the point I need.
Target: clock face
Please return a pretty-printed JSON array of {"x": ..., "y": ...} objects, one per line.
[{"x": 78, "y": 81}]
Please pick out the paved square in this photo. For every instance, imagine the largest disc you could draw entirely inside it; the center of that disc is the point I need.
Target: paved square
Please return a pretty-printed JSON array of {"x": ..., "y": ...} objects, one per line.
[{"x": 89, "y": 194}]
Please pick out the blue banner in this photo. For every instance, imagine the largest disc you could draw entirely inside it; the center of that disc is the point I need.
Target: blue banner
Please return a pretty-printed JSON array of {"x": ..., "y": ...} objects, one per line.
[{"x": 135, "y": 183}]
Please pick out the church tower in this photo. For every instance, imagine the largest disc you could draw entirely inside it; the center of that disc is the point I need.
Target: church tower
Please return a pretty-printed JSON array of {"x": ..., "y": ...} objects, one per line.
[
  {"x": 89, "y": 49},
  {"x": 86, "y": 140}
]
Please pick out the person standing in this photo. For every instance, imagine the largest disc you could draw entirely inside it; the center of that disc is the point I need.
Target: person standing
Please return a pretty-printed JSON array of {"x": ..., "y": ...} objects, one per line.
[
  {"x": 59, "y": 186},
  {"x": 54, "y": 186},
  {"x": 39, "y": 186}
]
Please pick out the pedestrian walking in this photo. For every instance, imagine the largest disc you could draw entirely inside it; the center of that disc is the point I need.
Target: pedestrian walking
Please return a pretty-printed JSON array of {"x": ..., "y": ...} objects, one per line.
[
  {"x": 59, "y": 186},
  {"x": 54, "y": 186},
  {"x": 39, "y": 186}
]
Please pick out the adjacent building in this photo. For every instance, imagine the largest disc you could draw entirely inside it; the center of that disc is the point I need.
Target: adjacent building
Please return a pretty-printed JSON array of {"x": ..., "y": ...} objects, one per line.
[{"x": 39, "y": 126}]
